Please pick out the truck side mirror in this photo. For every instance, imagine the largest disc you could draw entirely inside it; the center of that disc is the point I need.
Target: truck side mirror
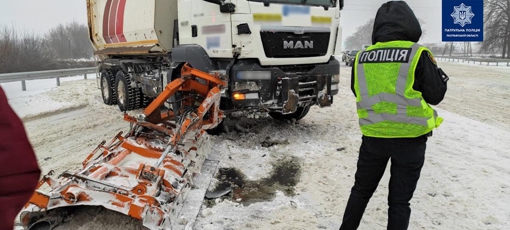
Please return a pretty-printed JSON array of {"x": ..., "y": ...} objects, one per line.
[
  {"x": 218, "y": 2},
  {"x": 341, "y": 4},
  {"x": 225, "y": 7}
]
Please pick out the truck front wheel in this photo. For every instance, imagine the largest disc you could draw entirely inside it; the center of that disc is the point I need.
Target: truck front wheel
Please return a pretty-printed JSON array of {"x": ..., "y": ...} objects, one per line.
[
  {"x": 298, "y": 115},
  {"x": 108, "y": 90},
  {"x": 126, "y": 95}
]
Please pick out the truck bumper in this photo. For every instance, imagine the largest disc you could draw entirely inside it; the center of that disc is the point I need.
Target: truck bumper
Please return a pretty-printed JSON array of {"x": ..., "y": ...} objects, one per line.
[{"x": 283, "y": 88}]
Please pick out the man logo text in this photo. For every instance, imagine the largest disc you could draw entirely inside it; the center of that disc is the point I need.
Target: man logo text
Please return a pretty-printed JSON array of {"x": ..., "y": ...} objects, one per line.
[{"x": 297, "y": 45}]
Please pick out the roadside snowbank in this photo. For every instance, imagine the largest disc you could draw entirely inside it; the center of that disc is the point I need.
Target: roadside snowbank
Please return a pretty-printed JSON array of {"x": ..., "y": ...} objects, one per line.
[
  {"x": 34, "y": 103},
  {"x": 65, "y": 123}
]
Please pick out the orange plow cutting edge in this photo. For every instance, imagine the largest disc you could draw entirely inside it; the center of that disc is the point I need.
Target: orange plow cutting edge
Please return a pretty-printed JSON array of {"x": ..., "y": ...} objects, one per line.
[{"x": 147, "y": 172}]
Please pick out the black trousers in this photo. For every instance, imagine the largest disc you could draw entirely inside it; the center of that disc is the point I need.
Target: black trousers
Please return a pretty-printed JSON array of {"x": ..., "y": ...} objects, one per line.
[{"x": 407, "y": 156}]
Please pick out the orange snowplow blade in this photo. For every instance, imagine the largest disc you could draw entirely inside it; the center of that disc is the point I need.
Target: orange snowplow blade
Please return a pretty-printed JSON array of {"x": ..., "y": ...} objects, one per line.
[{"x": 146, "y": 173}]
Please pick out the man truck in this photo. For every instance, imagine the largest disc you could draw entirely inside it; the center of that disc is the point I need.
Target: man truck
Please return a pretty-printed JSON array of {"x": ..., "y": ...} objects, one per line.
[{"x": 275, "y": 55}]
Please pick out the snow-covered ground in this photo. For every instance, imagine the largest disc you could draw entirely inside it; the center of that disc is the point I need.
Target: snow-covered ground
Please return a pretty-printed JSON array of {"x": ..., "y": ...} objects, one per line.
[
  {"x": 465, "y": 183},
  {"x": 33, "y": 102}
]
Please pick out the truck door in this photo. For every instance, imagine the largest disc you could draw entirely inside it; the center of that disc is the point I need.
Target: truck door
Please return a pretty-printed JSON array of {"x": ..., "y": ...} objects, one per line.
[{"x": 204, "y": 24}]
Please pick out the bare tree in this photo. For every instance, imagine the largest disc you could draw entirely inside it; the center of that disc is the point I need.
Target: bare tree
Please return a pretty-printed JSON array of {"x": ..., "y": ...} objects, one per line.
[
  {"x": 22, "y": 51},
  {"x": 497, "y": 27},
  {"x": 363, "y": 35},
  {"x": 436, "y": 48},
  {"x": 70, "y": 41}
]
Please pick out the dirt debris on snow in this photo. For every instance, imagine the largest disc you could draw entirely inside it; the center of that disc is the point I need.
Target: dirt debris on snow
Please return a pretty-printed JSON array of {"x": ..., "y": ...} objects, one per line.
[
  {"x": 233, "y": 184},
  {"x": 464, "y": 183}
]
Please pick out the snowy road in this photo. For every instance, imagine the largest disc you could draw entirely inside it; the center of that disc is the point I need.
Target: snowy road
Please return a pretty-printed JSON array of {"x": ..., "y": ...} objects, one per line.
[{"x": 465, "y": 183}]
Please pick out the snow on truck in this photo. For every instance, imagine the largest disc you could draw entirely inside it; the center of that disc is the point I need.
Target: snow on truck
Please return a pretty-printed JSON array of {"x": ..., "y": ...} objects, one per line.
[{"x": 276, "y": 55}]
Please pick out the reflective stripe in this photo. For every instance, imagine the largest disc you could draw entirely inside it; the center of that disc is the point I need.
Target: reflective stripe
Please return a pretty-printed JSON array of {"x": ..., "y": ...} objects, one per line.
[
  {"x": 435, "y": 115},
  {"x": 376, "y": 118},
  {"x": 398, "y": 98},
  {"x": 362, "y": 81},
  {"x": 404, "y": 70},
  {"x": 369, "y": 101},
  {"x": 402, "y": 78}
]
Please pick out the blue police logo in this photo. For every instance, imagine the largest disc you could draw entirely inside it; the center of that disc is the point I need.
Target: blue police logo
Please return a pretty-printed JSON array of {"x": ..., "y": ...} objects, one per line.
[{"x": 462, "y": 15}]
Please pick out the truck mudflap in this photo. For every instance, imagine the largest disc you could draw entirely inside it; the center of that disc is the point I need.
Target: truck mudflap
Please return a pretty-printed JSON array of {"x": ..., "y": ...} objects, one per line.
[
  {"x": 283, "y": 89},
  {"x": 147, "y": 173}
]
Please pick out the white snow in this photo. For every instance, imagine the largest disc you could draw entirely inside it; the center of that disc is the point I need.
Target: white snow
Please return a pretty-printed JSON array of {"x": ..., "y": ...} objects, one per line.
[
  {"x": 32, "y": 102},
  {"x": 464, "y": 184}
]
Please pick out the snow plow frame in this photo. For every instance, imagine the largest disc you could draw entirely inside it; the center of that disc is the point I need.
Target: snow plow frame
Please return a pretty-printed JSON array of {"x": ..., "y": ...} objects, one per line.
[{"x": 147, "y": 173}]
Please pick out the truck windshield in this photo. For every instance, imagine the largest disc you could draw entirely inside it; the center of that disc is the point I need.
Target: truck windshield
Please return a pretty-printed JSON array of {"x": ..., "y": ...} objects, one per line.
[{"x": 329, "y": 3}]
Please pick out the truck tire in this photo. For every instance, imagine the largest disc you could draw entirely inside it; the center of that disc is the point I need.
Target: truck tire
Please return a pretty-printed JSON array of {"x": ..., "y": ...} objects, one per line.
[
  {"x": 108, "y": 90},
  {"x": 138, "y": 97},
  {"x": 145, "y": 101},
  {"x": 126, "y": 95},
  {"x": 300, "y": 113}
]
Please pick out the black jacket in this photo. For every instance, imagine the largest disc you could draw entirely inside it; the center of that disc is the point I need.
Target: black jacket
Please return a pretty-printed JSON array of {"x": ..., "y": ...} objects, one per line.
[{"x": 395, "y": 21}]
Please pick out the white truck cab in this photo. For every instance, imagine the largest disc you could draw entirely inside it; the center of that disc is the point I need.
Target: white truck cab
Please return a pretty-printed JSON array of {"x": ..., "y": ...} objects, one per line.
[{"x": 277, "y": 55}]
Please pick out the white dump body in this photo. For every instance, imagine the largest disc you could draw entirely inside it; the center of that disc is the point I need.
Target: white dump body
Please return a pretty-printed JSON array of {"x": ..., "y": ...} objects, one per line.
[{"x": 131, "y": 27}]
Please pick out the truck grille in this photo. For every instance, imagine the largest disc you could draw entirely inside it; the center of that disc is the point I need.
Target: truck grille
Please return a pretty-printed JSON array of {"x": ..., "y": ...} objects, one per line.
[{"x": 289, "y": 44}]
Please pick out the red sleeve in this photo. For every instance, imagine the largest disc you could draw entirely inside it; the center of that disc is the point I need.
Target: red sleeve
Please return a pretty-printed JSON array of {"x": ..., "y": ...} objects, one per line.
[{"x": 19, "y": 171}]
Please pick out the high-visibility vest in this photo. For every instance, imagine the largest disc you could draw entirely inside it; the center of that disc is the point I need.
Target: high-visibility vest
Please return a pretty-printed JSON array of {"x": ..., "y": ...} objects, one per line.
[{"x": 387, "y": 104}]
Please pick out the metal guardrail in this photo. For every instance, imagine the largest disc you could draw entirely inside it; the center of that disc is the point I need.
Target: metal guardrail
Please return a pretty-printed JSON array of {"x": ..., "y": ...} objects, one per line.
[
  {"x": 474, "y": 60},
  {"x": 48, "y": 74}
]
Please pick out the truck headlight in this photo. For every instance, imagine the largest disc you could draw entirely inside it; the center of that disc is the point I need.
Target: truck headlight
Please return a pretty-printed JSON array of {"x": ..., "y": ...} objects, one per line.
[
  {"x": 253, "y": 75},
  {"x": 335, "y": 79},
  {"x": 244, "y": 96}
]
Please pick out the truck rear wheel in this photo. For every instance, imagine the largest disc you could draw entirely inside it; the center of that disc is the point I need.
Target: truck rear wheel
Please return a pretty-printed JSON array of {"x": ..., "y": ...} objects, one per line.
[
  {"x": 108, "y": 90},
  {"x": 145, "y": 101},
  {"x": 126, "y": 95},
  {"x": 300, "y": 113}
]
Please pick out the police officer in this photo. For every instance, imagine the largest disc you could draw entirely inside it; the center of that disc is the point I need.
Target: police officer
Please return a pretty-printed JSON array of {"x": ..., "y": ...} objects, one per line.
[{"x": 394, "y": 81}]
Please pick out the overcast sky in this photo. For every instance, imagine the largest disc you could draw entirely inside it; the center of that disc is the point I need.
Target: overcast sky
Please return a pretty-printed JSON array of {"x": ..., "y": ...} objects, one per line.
[
  {"x": 357, "y": 13},
  {"x": 40, "y": 15}
]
